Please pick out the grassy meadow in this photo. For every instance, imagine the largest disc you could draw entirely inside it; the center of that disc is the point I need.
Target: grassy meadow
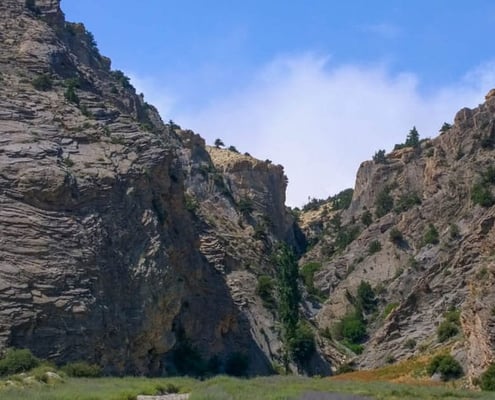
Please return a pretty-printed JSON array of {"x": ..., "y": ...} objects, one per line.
[{"x": 228, "y": 388}]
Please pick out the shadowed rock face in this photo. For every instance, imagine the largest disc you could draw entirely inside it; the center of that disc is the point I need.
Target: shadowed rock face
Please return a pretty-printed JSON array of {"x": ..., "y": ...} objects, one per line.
[{"x": 103, "y": 257}]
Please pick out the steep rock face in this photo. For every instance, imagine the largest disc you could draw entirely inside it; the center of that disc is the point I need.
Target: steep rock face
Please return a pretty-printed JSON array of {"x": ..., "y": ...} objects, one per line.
[
  {"x": 435, "y": 246},
  {"x": 112, "y": 248}
]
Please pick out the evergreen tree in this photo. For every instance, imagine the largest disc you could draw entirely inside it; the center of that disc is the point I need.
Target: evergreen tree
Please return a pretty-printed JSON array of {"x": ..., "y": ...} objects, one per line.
[
  {"x": 219, "y": 143},
  {"x": 412, "y": 139},
  {"x": 288, "y": 289}
]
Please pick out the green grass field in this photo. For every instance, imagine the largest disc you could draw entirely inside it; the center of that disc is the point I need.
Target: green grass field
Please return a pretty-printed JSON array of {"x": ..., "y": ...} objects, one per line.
[{"x": 227, "y": 388}]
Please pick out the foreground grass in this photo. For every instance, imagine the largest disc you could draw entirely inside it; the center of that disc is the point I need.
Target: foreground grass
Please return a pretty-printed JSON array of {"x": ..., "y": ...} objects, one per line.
[
  {"x": 226, "y": 388},
  {"x": 96, "y": 389}
]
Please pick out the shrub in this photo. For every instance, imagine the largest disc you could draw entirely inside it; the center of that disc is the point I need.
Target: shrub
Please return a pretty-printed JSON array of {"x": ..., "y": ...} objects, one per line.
[
  {"x": 445, "y": 127},
  {"x": 245, "y": 206},
  {"x": 342, "y": 200},
  {"x": 345, "y": 368},
  {"x": 264, "y": 289},
  {"x": 353, "y": 328},
  {"x": 366, "y": 218},
  {"x": 366, "y": 297},
  {"x": 233, "y": 149},
  {"x": 407, "y": 201},
  {"x": 446, "y": 365},
  {"x": 70, "y": 93},
  {"x": 489, "y": 175},
  {"x": 384, "y": 203},
  {"x": 17, "y": 360},
  {"x": 410, "y": 344},
  {"x": 446, "y": 330},
  {"x": 355, "y": 347},
  {"x": 431, "y": 235},
  {"x": 487, "y": 378},
  {"x": 374, "y": 247},
  {"x": 454, "y": 231},
  {"x": 482, "y": 195},
  {"x": 396, "y": 236},
  {"x": 219, "y": 143},
  {"x": 42, "y": 82},
  {"x": 302, "y": 344},
  {"x": 346, "y": 235},
  {"x": 82, "y": 370},
  {"x": 237, "y": 364},
  {"x": 124, "y": 80},
  {"x": 307, "y": 273}
]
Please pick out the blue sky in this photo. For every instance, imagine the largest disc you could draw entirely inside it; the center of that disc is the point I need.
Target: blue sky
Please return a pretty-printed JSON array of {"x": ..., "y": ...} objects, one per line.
[{"x": 316, "y": 86}]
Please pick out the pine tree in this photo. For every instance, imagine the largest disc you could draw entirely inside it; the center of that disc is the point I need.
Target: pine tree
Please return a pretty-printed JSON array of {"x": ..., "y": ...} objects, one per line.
[
  {"x": 412, "y": 139},
  {"x": 219, "y": 143}
]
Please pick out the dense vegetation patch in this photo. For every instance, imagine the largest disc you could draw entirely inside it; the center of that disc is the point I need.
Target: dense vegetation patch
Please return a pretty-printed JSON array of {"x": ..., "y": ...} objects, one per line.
[
  {"x": 17, "y": 360},
  {"x": 446, "y": 365}
]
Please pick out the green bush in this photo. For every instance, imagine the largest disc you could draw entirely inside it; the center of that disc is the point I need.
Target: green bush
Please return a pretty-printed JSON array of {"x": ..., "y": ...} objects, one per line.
[
  {"x": 302, "y": 344},
  {"x": 245, "y": 206},
  {"x": 342, "y": 200},
  {"x": 124, "y": 80},
  {"x": 366, "y": 297},
  {"x": 431, "y": 235},
  {"x": 396, "y": 236},
  {"x": 237, "y": 364},
  {"x": 489, "y": 175},
  {"x": 366, "y": 218},
  {"x": 345, "y": 368},
  {"x": 42, "y": 82},
  {"x": 307, "y": 273},
  {"x": 487, "y": 378},
  {"x": 353, "y": 328},
  {"x": 374, "y": 247},
  {"x": 17, "y": 360},
  {"x": 407, "y": 201},
  {"x": 264, "y": 289},
  {"x": 82, "y": 370},
  {"x": 446, "y": 365},
  {"x": 346, "y": 235},
  {"x": 384, "y": 203},
  {"x": 410, "y": 344},
  {"x": 482, "y": 195},
  {"x": 445, "y": 127},
  {"x": 70, "y": 94},
  {"x": 379, "y": 157},
  {"x": 446, "y": 330}
]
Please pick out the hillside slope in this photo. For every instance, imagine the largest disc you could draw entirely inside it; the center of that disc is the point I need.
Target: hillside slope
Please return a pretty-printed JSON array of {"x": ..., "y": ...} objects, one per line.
[{"x": 419, "y": 230}]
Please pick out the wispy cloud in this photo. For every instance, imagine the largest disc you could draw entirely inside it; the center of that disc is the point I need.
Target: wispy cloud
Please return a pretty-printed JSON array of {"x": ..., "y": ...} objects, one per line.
[{"x": 321, "y": 120}]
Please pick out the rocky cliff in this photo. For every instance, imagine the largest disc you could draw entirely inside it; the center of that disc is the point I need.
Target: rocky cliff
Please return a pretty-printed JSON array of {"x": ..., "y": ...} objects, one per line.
[
  {"x": 419, "y": 231},
  {"x": 124, "y": 241}
]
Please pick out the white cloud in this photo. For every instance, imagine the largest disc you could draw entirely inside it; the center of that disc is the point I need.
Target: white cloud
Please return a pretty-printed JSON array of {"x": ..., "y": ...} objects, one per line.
[
  {"x": 154, "y": 93},
  {"x": 321, "y": 121}
]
